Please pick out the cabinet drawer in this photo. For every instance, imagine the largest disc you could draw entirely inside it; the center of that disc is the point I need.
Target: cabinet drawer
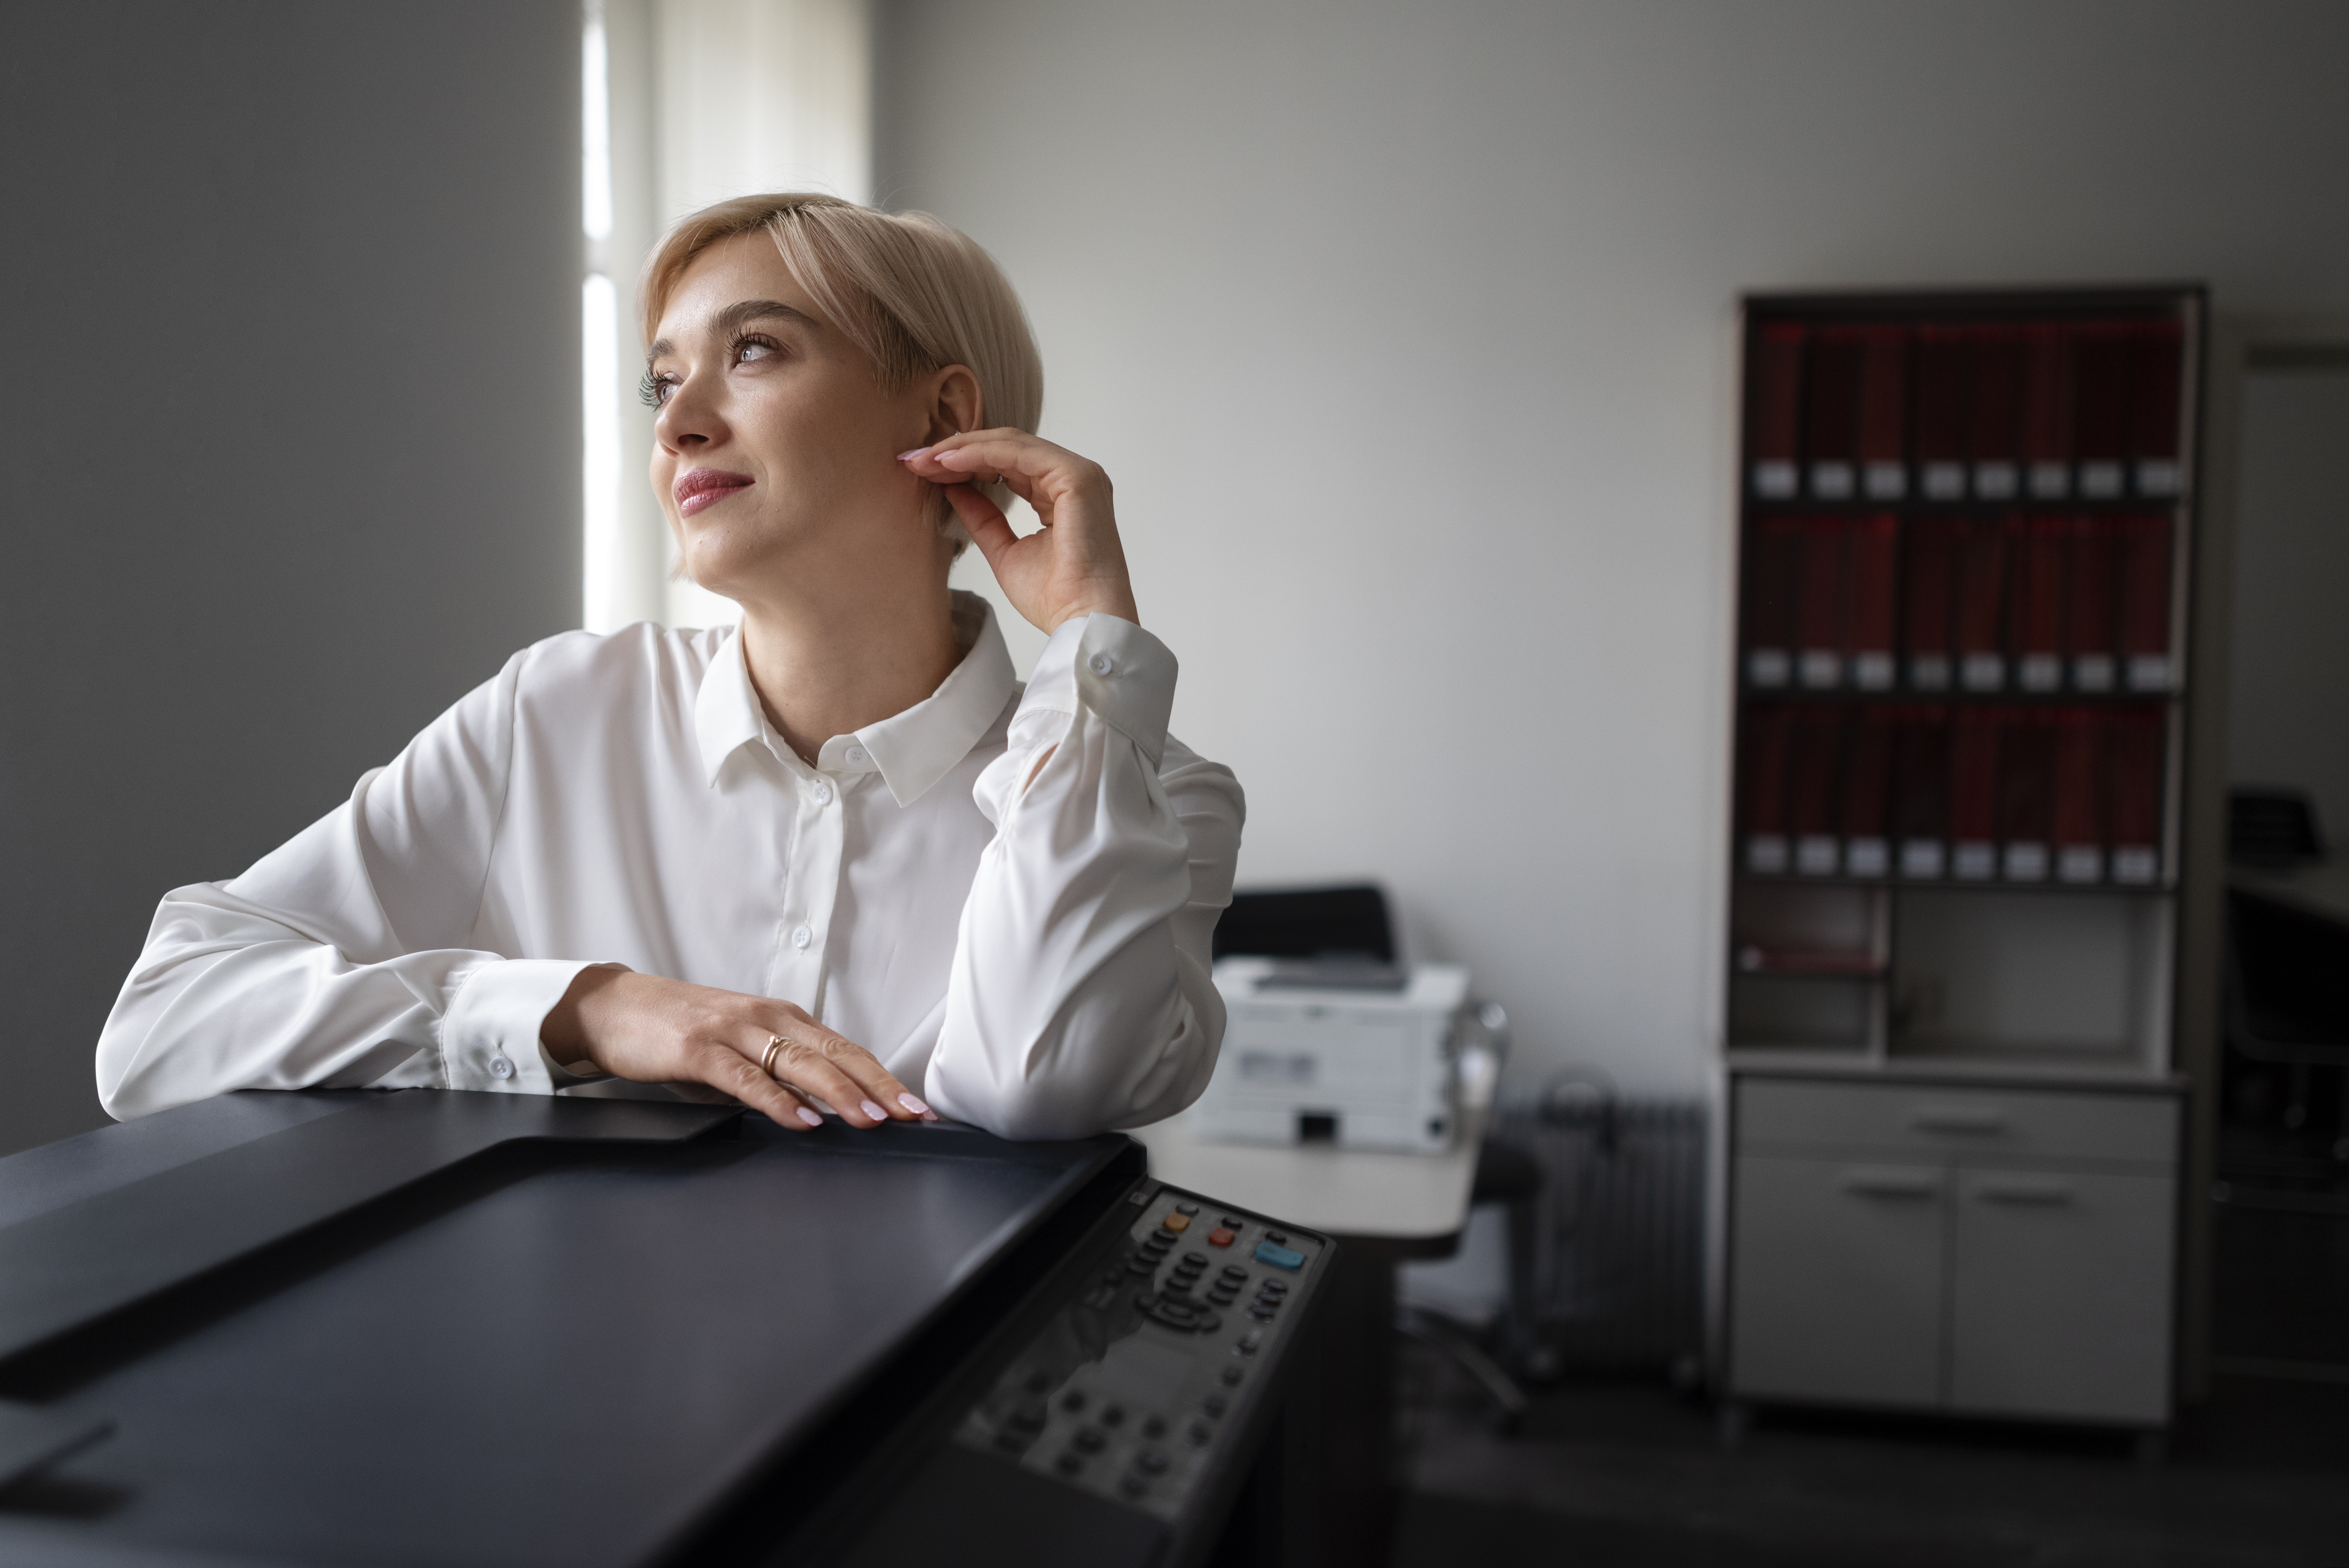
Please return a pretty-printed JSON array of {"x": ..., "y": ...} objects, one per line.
[{"x": 1913, "y": 1119}]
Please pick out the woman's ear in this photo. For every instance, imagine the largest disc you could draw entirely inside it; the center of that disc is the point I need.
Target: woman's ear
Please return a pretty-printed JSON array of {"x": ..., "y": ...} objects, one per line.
[{"x": 956, "y": 405}]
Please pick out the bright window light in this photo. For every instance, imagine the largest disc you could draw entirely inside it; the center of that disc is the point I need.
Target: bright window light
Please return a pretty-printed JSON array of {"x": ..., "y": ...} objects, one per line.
[{"x": 600, "y": 590}]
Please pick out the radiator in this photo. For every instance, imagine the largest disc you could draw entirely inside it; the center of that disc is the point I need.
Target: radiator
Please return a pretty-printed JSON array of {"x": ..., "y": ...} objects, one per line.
[{"x": 1618, "y": 1269}]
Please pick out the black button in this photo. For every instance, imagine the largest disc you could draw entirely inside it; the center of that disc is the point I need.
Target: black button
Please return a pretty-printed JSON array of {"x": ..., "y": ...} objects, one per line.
[
  {"x": 1112, "y": 1414},
  {"x": 1214, "y": 1405},
  {"x": 1230, "y": 1377},
  {"x": 1261, "y": 1314},
  {"x": 1234, "y": 1272},
  {"x": 1200, "y": 1434},
  {"x": 1196, "y": 1260},
  {"x": 1186, "y": 1208},
  {"x": 1222, "y": 1298},
  {"x": 1069, "y": 1464},
  {"x": 1277, "y": 1238},
  {"x": 1161, "y": 1237},
  {"x": 1150, "y": 1461},
  {"x": 1029, "y": 1414},
  {"x": 1230, "y": 1224},
  {"x": 1133, "y": 1485},
  {"x": 1074, "y": 1400},
  {"x": 1142, "y": 1267},
  {"x": 1088, "y": 1439}
]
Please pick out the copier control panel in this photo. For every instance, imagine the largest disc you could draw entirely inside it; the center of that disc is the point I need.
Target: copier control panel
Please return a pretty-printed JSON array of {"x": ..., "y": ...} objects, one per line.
[{"x": 1130, "y": 1389}]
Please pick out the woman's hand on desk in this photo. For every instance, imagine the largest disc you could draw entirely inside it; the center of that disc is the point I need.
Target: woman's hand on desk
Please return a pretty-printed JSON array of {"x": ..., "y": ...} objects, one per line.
[
  {"x": 652, "y": 1030},
  {"x": 1074, "y": 566}
]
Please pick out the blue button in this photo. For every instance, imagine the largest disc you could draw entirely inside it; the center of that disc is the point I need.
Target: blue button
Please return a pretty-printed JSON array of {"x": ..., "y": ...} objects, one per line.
[{"x": 1279, "y": 1257}]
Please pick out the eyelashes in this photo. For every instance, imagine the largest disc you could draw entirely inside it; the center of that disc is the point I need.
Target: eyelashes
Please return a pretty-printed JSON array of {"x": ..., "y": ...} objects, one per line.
[{"x": 654, "y": 391}]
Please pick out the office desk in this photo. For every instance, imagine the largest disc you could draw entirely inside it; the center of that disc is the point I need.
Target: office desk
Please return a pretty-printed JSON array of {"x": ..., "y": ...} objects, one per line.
[{"x": 1383, "y": 1209}]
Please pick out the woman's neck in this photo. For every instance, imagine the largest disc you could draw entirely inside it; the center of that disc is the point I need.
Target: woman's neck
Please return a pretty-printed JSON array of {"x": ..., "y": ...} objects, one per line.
[{"x": 829, "y": 668}]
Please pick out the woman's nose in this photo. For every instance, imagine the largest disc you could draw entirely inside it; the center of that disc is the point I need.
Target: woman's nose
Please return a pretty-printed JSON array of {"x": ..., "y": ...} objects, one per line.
[{"x": 688, "y": 420}]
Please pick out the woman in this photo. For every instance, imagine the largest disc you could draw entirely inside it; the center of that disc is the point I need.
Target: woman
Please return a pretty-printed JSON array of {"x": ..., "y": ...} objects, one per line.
[{"x": 838, "y": 857}]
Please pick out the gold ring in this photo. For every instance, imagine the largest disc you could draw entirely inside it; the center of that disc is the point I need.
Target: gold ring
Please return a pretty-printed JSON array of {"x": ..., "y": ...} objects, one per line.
[{"x": 767, "y": 1063}]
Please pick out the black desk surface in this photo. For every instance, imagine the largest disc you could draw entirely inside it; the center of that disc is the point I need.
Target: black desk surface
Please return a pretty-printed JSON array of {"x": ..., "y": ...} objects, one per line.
[{"x": 562, "y": 1351}]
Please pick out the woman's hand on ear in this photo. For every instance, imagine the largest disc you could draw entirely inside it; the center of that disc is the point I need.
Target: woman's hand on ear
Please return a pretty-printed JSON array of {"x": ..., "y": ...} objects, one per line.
[{"x": 1074, "y": 564}]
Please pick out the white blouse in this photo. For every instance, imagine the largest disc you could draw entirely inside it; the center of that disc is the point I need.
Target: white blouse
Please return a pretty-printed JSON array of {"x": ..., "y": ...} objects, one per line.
[{"x": 1034, "y": 960}]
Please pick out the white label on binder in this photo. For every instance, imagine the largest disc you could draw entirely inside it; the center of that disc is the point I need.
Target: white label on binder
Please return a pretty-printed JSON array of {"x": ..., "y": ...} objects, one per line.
[
  {"x": 1872, "y": 672},
  {"x": 1767, "y": 666},
  {"x": 1982, "y": 672},
  {"x": 1815, "y": 855},
  {"x": 2081, "y": 864},
  {"x": 2027, "y": 861},
  {"x": 1995, "y": 481},
  {"x": 2100, "y": 481},
  {"x": 1774, "y": 480},
  {"x": 1974, "y": 863},
  {"x": 2093, "y": 672},
  {"x": 1866, "y": 857},
  {"x": 1920, "y": 857},
  {"x": 1765, "y": 854},
  {"x": 2138, "y": 863},
  {"x": 1929, "y": 672},
  {"x": 2148, "y": 672},
  {"x": 2159, "y": 476},
  {"x": 1831, "y": 482},
  {"x": 1945, "y": 482},
  {"x": 2042, "y": 672},
  {"x": 1821, "y": 669},
  {"x": 2050, "y": 481},
  {"x": 1884, "y": 481}
]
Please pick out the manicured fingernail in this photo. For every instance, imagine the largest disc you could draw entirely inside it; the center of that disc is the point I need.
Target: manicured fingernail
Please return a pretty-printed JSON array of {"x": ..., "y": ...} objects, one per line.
[
  {"x": 929, "y": 1115},
  {"x": 811, "y": 1117},
  {"x": 909, "y": 457},
  {"x": 915, "y": 1106},
  {"x": 875, "y": 1112}
]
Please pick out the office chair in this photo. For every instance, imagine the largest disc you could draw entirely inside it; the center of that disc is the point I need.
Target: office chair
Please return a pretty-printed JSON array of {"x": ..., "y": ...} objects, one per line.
[
  {"x": 2287, "y": 996},
  {"x": 1350, "y": 924}
]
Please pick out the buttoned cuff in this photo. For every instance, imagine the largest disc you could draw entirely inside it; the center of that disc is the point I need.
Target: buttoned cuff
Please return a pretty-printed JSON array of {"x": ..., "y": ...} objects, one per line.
[
  {"x": 1112, "y": 668},
  {"x": 489, "y": 1038}
]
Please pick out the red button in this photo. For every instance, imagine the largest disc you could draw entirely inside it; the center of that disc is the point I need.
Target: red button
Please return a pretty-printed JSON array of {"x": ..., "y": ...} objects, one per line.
[{"x": 1219, "y": 1237}]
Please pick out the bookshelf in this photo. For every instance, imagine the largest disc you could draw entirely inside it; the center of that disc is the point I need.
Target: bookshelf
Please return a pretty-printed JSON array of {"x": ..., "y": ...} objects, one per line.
[{"x": 1966, "y": 522}]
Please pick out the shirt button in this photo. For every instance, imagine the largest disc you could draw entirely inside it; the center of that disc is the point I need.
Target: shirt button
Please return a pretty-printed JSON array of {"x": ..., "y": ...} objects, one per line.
[
  {"x": 801, "y": 937},
  {"x": 822, "y": 793},
  {"x": 856, "y": 757},
  {"x": 1103, "y": 663},
  {"x": 499, "y": 1068}
]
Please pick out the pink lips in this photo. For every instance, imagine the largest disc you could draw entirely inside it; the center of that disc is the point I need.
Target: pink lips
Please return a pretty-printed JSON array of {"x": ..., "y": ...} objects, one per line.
[{"x": 706, "y": 487}]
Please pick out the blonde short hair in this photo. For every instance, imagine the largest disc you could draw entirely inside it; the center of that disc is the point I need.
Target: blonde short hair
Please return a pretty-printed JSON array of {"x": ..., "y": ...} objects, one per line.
[{"x": 913, "y": 293}]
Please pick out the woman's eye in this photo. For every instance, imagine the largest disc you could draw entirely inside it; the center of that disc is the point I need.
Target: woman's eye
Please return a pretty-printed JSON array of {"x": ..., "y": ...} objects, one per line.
[
  {"x": 752, "y": 348},
  {"x": 653, "y": 390}
]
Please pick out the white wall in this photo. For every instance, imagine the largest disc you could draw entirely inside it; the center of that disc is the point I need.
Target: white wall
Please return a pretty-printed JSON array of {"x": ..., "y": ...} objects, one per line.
[{"x": 1406, "y": 332}]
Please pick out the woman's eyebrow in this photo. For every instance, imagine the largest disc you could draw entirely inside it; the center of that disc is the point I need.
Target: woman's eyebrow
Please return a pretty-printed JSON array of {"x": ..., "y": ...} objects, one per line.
[{"x": 734, "y": 317}]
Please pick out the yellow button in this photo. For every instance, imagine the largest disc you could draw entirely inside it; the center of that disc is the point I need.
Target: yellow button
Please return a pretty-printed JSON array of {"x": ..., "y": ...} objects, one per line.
[{"x": 1176, "y": 1221}]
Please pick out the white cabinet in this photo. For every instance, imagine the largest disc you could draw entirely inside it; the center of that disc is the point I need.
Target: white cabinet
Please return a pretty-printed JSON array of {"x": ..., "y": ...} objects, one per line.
[{"x": 1992, "y": 1249}]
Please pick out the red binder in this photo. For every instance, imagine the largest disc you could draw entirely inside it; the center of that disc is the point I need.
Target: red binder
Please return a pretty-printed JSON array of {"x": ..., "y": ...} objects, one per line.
[
  {"x": 1873, "y": 571},
  {"x": 1973, "y": 794},
  {"x": 1942, "y": 364},
  {"x": 1867, "y": 788},
  {"x": 2079, "y": 816},
  {"x": 1981, "y": 605},
  {"x": 2137, "y": 758},
  {"x": 2158, "y": 397},
  {"x": 1774, "y": 419},
  {"x": 2037, "y": 622},
  {"x": 1927, "y": 600},
  {"x": 1761, "y": 790},
  {"x": 2145, "y": 600},
  {"x": 1995, "y": 416},
  {"x": 1832, "y": 375},
  {"x": 1818, "y": 767},
  {"x": 1920, "y": 793},
  {"x": 2047, "y": 412},
  {"x": 1884, "y": 414},
  {"x": 2027, "y": 794},
  {"x": 2088, "y": 624},
  {"x": 2103, "y": 356},
  {"x": 1820, "y": 611},
  {"x": 1774, "y": 554}
]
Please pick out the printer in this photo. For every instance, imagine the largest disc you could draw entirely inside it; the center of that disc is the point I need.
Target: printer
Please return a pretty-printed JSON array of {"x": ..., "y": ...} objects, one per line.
[{"x": 1344, "y": 1051}]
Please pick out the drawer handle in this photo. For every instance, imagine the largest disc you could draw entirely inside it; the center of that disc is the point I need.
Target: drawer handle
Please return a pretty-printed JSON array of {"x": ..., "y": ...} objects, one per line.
[
  {"x": 2046, "y": 1193},
  {"x": 1957, "y": 1118},
  {"x": 1891, "y": 1184}
]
